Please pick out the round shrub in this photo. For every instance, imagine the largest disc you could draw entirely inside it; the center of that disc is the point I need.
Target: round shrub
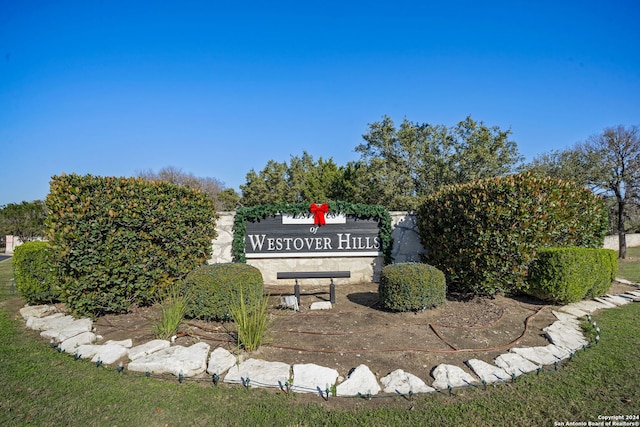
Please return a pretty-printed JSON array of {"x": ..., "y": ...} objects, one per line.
[
  {"x": 212, "y": 289},
  {"x": 35, "y": 273},
  {"x": 483, "y": 235},
  {"x": 411, "y": 287},
  {"x": 566, "y": 275}
]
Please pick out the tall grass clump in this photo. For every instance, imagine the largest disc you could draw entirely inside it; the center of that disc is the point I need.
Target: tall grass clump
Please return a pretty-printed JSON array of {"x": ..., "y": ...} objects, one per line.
[
  {"x": 251, "y": 321},
  {"x": 174, "y": 305}
]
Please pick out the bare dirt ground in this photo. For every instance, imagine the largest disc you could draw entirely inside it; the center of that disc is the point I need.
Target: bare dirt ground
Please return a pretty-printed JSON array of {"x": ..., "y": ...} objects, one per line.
[{"x": 357, "y": 331}]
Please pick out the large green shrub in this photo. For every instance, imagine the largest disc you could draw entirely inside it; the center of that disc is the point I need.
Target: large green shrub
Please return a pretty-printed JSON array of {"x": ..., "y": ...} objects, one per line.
[
  {"x": 566, "y": 275},
  {"x": 214, "y": 290},
  {"x": 483, "y": 235},
  {"x": 34, "y": 271},
  {"x": 119, "y": 241},
  {"x": 411, "y": 287}
]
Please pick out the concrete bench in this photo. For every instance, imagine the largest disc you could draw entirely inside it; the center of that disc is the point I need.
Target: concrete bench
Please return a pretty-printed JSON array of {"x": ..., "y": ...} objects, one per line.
[{"x": 299, "y": 275}]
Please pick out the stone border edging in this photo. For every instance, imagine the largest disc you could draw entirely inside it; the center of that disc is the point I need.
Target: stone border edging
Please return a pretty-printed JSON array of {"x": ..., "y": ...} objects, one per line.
[{"x": 77, "y": 336}]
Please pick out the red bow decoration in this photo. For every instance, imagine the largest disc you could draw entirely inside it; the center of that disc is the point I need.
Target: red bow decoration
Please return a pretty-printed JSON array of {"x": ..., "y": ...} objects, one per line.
[{"x": 318, "y": 212}]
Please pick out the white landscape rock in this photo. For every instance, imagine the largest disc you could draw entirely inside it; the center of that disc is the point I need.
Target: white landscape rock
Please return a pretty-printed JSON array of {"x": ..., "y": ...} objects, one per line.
[
  {"x": 312, "y": 378},
  {"x": 514, "y": 364},
  {"x": 320, "y": 305},
  {"x": 71, "y": 345},
  {"x": 67, "y": 330},
  {"x": 573, "y": 311},
  {"x": 48, "y": 322},
  {"x": 259, "y": 373},
  {"x": 588, "y": 306},
  {"x": 615, "y": 299},
  {"x": 220, "y": 361},
  {"x": 571, "y": 326},
  {"x": 566, "y": 318},
  {"x": 191, "y": 361},
  {"x": 109, "y": 354},
  {"x": 147, "y": 348},
  {"x": 361, "y": 381},
  {"x": 605, "y": 302},
  {"x": 450, "y": 375},
  {"x": 87, "y": 351},
  {"x": 630, "y": 296},
  {"x": 128, "y": 343},
  {"x": 37, "y": 311},
  {"x": 402, "y": 382},
  {"x": 565, "y": 335},
  {"x": 547, "y": 355},
  {"x": 487, "y": 372}
]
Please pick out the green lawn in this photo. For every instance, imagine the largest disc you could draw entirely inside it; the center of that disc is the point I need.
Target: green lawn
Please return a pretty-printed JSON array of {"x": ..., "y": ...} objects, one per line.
[
  {"x": 6, "y": 276},
  {"x": 630, "y": 268},
  {"x": 41, "y": 387}
]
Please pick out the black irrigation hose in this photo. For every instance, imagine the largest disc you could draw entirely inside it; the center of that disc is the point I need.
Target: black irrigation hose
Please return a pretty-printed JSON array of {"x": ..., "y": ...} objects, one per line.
[
  {"x": 418, "y": 349},
  {"x": 432, "y": 326}
]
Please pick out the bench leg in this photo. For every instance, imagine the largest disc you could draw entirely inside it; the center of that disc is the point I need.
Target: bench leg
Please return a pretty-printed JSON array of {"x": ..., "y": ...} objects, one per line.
[
  {"x": 296, "y": 291},
  {"x": 332, "y": 292}
]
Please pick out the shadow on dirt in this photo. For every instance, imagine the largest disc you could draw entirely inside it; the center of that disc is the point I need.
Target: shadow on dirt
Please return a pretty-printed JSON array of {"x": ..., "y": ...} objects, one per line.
[
  {"x": 371, "y": 299},
  {"x": 526, "y": 299},
  {"x": 366, "y": 299}
]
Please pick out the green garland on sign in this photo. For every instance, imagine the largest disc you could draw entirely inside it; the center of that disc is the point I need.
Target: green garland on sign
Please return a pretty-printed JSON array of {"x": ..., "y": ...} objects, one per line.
[{"x": 361, "y": 211}]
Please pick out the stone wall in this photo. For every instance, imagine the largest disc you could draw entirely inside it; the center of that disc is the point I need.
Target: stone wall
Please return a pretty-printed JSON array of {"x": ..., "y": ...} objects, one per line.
[
  {"x": 406, "y": 248},
  {"x": 406, "y": 242},
  {"x": 221, "y": 251},
  {"x": 12, "y": 242},
  {"x": 611, "y": 242}
]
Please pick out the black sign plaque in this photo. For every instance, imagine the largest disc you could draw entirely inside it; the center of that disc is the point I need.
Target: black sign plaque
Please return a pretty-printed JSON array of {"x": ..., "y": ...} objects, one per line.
[{"x": 283, "y": 236}]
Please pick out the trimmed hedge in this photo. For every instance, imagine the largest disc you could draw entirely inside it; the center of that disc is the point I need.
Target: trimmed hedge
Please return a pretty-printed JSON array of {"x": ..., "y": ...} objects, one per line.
[
  {"x": 411, "y": 287},
  {"x": 566, "y": 275},
  {"x": 483, "y": 235},
  {"x": 119, "y": 241},
  {"x": 214, "y": 289},
  {"x": 34, "y": 271}
]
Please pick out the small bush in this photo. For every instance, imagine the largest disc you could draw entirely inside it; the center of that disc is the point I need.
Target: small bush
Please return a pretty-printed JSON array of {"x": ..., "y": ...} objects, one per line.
[
  {"x": 213, "y": 289},
  {"x": 566, "y": 275},
  {"x": 35, "y": 273},
  {"x": 411, "y": 286}
]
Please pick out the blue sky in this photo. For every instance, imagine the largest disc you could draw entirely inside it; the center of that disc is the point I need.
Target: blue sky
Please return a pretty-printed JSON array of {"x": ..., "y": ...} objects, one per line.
[{"x": 110, "y": 87}]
